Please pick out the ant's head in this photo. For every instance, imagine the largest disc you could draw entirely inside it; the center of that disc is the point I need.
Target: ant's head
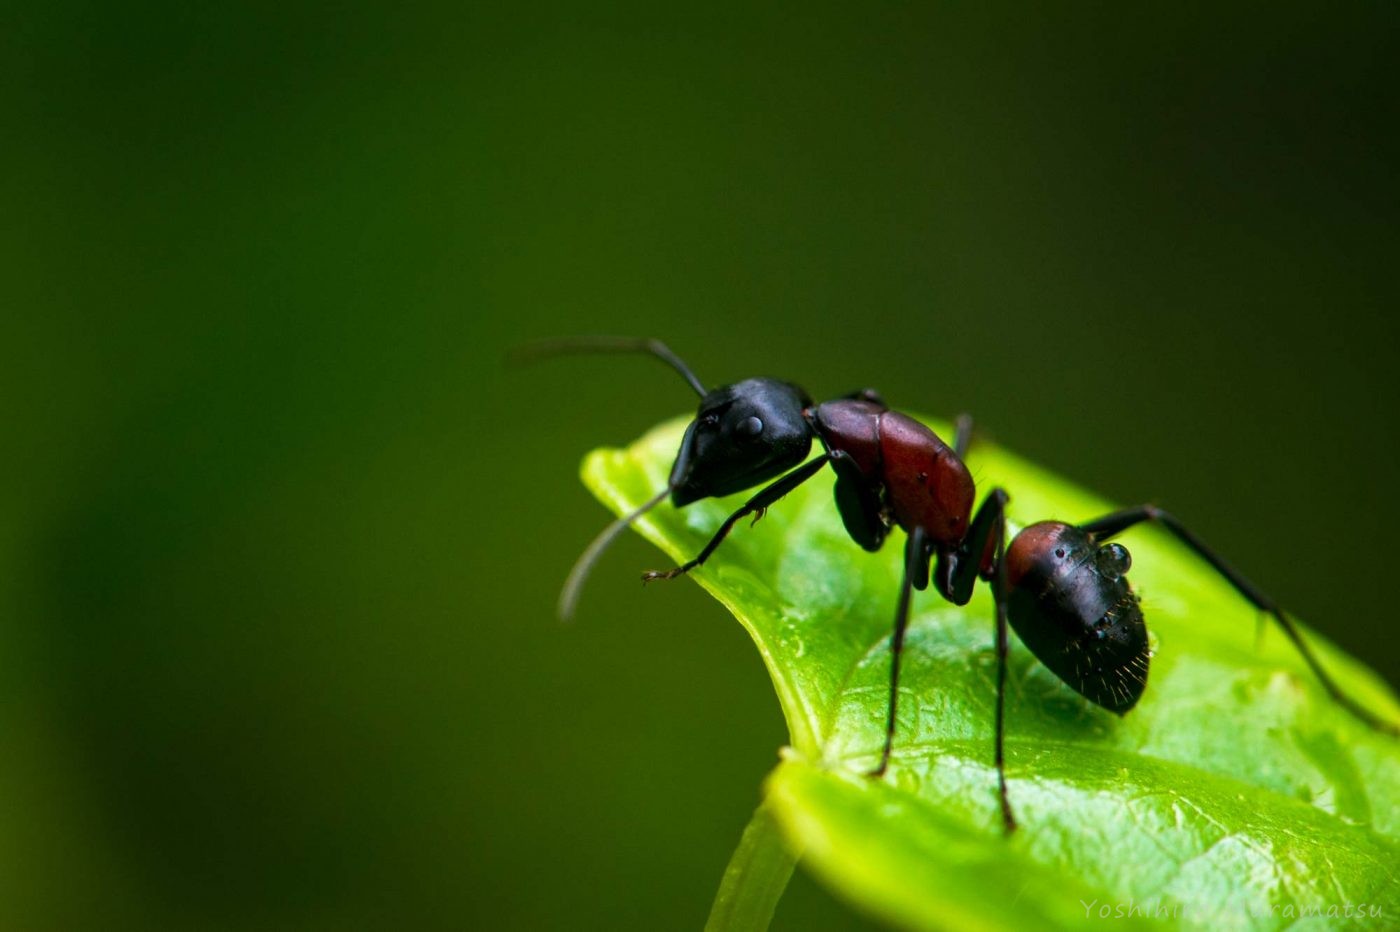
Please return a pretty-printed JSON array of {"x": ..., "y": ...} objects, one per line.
[{"x": 743, "y": 434}]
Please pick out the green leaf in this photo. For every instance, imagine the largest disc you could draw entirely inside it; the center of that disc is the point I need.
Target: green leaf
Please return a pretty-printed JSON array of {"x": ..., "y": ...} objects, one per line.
[{"x": 1236, "y": 794}]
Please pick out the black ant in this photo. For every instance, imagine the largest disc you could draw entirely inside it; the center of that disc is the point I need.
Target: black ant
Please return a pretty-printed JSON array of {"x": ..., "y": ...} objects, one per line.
[{"x": 1062, "y": 587}]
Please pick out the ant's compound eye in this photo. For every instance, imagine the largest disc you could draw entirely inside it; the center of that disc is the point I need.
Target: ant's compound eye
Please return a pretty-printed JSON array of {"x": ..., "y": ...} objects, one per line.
[
  {"x": 750, "y": 427},
  {"x": 1114, "y": 560}
]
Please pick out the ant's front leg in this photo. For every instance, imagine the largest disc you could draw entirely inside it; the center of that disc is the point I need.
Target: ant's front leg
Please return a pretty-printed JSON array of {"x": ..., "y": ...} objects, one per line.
[
  {"x": 757, "y": 504},
  {"x": 915, "y": 560},
  {"x": 1120, "y": 521}
]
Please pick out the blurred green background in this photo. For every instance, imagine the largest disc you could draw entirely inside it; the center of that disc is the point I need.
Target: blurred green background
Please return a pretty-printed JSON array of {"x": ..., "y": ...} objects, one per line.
[{"x": 280, "y": 534}]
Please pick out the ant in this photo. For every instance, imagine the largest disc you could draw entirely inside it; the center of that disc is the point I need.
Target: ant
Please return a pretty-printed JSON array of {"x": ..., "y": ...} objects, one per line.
[{"x": 1061, "y": 587}]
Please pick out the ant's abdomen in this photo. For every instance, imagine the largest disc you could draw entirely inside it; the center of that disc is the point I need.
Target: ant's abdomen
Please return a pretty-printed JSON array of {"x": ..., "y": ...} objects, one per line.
[{"x": 1070, "y": 603}]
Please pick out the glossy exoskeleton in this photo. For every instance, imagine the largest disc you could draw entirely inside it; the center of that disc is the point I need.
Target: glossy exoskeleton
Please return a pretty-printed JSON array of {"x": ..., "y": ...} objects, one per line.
[{"x": 1062, "y": 588}]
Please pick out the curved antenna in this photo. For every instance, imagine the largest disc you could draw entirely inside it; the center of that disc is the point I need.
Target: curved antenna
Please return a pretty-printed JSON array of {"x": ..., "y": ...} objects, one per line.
[
  {"x": 568, "y": 596},
  {"x": 568, "y": 346}
]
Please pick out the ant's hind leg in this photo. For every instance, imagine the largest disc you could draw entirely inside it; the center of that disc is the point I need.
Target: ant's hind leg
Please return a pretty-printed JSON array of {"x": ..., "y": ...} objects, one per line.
[
  {"x": 999, "y": 596},
  {"x": 867, "y": 394},
  {"x": 962, "y": 434},
  {"x": 1120, "y": 521}
]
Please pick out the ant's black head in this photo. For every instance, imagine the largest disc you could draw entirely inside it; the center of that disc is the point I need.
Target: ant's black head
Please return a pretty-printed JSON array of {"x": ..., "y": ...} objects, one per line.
[{"x": 744, "y": 434}]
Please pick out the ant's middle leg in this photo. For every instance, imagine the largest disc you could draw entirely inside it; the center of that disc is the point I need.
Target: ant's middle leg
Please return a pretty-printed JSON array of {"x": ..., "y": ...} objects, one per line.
[
  {"x": 956, "y": 575},
  {"x": 757, "y": 504},
  {"x": 1120, "y": 521}
]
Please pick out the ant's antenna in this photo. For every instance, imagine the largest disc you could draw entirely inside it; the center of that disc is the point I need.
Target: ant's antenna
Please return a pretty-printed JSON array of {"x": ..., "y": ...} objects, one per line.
[
  {"x": 573, "y": 586},
  {"x": 577, "y": 345},
  {"x": 568, "y": 596}
]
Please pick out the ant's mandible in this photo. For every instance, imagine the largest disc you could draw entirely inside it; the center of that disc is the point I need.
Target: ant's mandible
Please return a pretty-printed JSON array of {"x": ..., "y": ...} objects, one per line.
[{"x": 1063, "y": 588}]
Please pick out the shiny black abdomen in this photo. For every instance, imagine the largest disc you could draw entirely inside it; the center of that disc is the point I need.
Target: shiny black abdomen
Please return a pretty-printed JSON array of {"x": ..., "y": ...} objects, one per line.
[{"x": 1077, "y": 615}]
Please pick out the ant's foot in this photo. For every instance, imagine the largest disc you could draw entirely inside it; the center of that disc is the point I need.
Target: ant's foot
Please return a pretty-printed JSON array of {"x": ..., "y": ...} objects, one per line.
[
  {"x": 878, "y": 772},
  {"x": 649, "y": 575}
]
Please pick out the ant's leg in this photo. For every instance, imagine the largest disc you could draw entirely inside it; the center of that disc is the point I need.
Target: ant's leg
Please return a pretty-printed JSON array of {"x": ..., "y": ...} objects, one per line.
[
  {"x": 867, "y": 394},
  {"x": 957, "y": 571},
  {"x": 913, "y": 559},
  {"x": 858, "y": 502},
  {"x": 758, "y": 503},
  {"x": 1120, "y": 521},
  {"x": 988, "y": 527},
  {"x": 962, "y": 435},
  {"x": 999, "y": 597}
]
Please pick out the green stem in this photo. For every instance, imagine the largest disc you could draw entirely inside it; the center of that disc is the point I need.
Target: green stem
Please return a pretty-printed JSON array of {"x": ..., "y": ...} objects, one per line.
[{"x": 755, "y": 879}]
